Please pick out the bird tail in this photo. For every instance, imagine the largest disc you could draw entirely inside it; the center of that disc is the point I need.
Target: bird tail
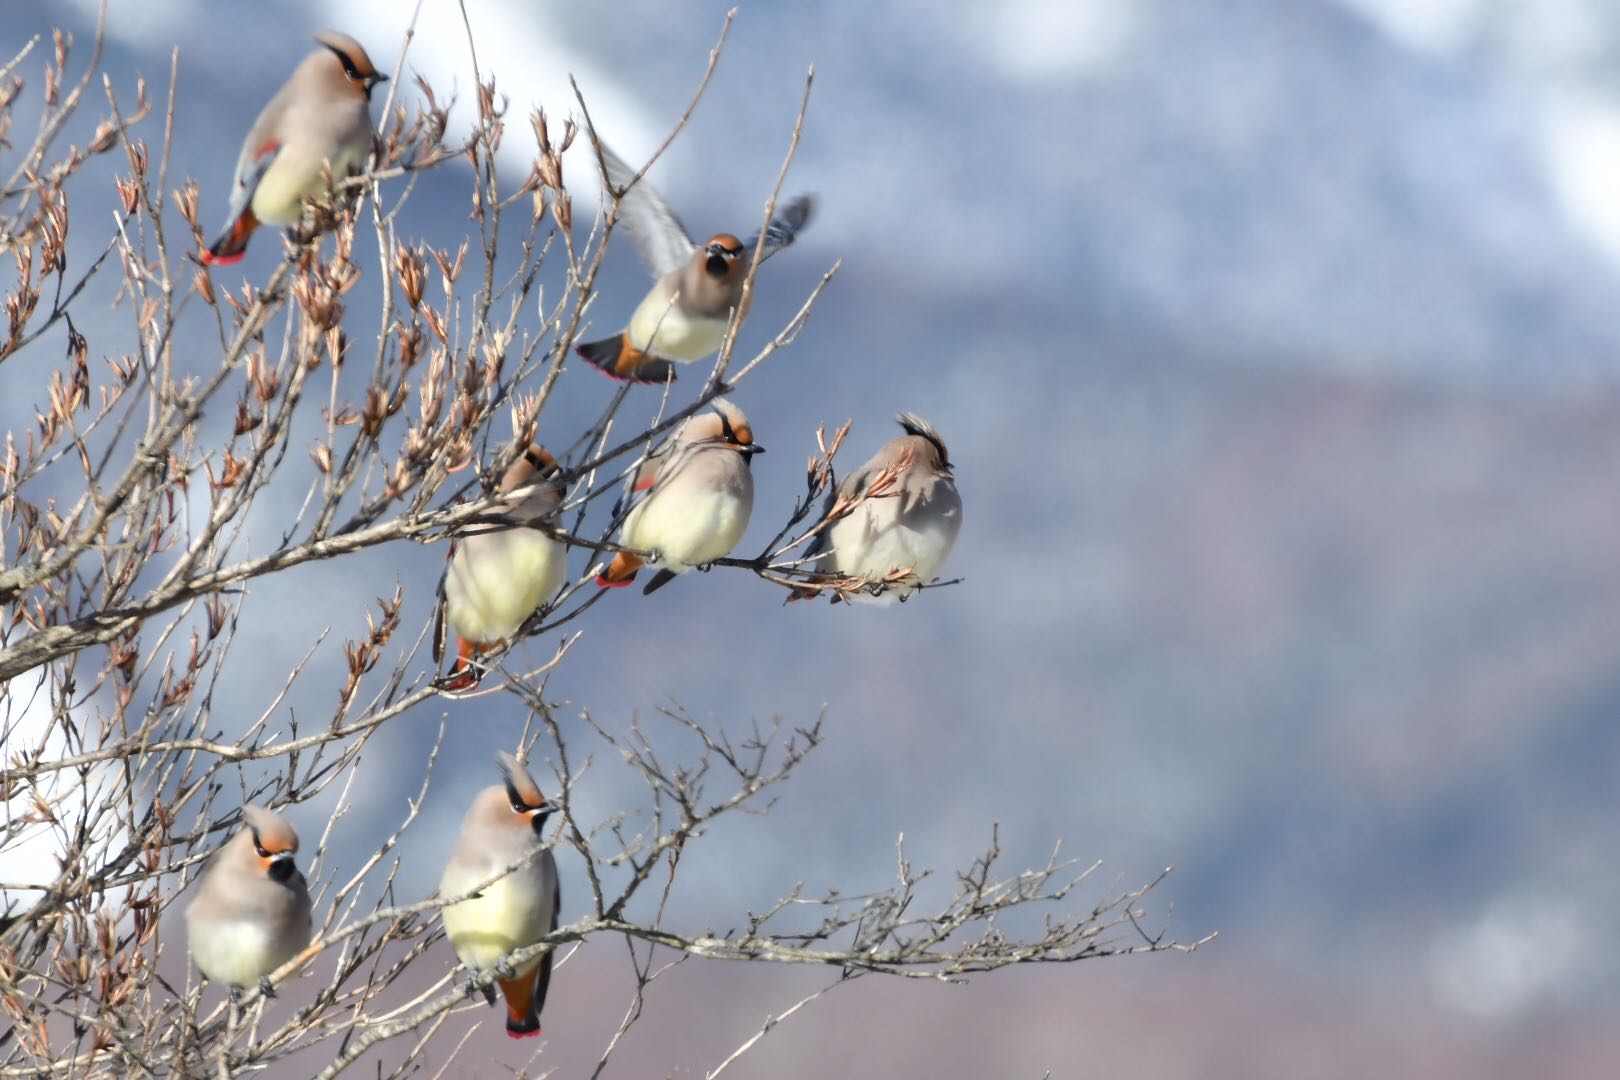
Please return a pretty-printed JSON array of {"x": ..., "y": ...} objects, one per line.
[
  {"x": 465, "y": 672},
  {"x": 616, "y": 358},
  {"x": 232, "y": 243},
  {"x": 620, "y": 572},
  {"x": 522, "y": 1018},
  {"x": 660, "y": 579}
]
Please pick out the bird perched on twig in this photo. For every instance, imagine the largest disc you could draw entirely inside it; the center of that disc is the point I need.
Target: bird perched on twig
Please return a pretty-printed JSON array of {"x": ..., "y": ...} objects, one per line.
[
  {"x": 252, "y": 911},
  {"x": 690, "y": 500},
  {"x": 502, "y": 829},
  {"x": 319, "y": 120},
  {"x": 897, "y": 518},
  {"x": 684, "y": 317},
  {"x": 498, "y": 574}
]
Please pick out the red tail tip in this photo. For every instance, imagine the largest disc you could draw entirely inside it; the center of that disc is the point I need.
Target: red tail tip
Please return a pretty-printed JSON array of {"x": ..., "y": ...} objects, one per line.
[
  {"x": 609, "y": 372},
  {"x": 517, "y": 1033},
  {"x": 210, "y": 259}
]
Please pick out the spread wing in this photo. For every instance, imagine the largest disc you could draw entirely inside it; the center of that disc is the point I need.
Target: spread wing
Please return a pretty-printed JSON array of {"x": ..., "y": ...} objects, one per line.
[
  {"x": 660, "y": 238},
  {"x": 787, "y": 223}
]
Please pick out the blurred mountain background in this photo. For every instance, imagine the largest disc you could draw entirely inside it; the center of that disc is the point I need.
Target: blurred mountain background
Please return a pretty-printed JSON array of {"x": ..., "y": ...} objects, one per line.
[{"x": 1276, "y": 344}]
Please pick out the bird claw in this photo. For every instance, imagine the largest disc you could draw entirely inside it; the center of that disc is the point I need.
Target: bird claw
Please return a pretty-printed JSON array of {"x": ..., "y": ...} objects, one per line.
[
  {"x": 236, "y": 995},
  {"x": 266, "y": 987},
  {"x": 505, "y": 971},
  {"x": 474, "y": 990}
]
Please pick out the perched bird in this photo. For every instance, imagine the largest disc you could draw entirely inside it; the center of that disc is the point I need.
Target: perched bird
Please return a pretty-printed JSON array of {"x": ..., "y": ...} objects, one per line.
[
  {"x": 499, "y": 574},
  {"x": 691, "y": 498},
  {"x": 501, "y": 829},
  {"x": 684, "y": 317},
  {"x": 322, "y": 115},
  {"x": 907, "y": 523},
  {"x": 252, "y": 911}
]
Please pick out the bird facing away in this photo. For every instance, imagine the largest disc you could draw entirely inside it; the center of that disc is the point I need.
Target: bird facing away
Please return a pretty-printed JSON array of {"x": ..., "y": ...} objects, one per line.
[
  {"x": 691, "y": 498},
  {"x": 252, "y": 910},
  {"x": 685, "y": 315},
  {"x": 499, "y": 574},
  {"x": 502, "y": 828},
  {"x": 321, "y": 116},
  {"x": 907, "y": 524}
]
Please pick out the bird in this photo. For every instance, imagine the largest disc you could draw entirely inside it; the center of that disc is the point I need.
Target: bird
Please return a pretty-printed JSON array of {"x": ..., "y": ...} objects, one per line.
[
  {"x": 498, "y": 574},
  {"x": 690, "y": 500},
  {"x": 502, "y": 828},
  {"x": 252, "y": 910},
  {"x": 696, "y": 287},
  {"x": 906, "y": 525},
  {"x": 320, "y": 117}
]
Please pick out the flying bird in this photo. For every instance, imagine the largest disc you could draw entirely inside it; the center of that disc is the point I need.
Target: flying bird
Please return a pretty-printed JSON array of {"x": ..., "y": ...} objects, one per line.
[
  {"x": 905, "y": 517},
  {"x": 320, "y": 117},
  {"x": 685, "y": 315},
  {"x": 690, "y": 501},
  {"x": 502, "y": 829},
  {"x": 498, "y": 574},
  {"x": 252, "y": 911}
]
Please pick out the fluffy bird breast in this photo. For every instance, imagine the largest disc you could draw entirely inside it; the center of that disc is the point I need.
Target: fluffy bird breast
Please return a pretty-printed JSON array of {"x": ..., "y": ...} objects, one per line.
[
  {"x": 691, "y": 528},
  {"x": 497, "y": 579},
  {"x": 512, "y": 913}
]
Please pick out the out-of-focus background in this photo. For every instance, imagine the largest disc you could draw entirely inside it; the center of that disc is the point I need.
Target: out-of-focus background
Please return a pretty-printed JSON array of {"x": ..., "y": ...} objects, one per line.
[{"x": 1277, "y": 345}]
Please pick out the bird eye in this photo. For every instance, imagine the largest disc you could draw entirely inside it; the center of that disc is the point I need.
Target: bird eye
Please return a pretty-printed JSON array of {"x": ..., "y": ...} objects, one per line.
[{"x": 258, "y": 847}]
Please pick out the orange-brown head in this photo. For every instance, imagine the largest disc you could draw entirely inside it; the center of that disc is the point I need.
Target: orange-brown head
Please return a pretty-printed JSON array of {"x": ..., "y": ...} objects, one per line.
[
  {"x": 518, "y": 802},
  {"x": 722, "y": 255},
  {"x": 273, "y": 841},
  {"x": 536, "y": 463},
  {"x": 724, "y": 424},
  {"x": 359, "y": 73}
]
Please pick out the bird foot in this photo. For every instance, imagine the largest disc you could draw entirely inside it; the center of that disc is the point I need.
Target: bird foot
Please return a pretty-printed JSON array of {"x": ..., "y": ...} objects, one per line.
[
  {"x": 474, "y": 990},
  {"x": 266, "y": 987},
  {"x": 505, "y": 971}
]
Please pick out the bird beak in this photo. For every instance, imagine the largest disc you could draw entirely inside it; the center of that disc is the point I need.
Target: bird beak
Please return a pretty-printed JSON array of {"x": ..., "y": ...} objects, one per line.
[{"x": 750, "y": 450}]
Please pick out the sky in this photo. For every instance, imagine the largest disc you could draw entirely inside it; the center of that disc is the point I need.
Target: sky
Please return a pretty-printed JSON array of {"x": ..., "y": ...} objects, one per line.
[{"x": 1273, "y": 343}]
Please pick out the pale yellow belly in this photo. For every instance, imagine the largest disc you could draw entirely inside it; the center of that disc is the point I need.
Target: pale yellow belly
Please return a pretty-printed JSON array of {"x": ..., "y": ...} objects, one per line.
[
  {"x": 871, "y": 543},
  {"x": 663, "y": 329},
  {"x": 238, "y": 953},
  {"x": 690, "y": 530},
  {"x": 512, "y": 913},
  {"x": 497, "y": 579},
  {"x": 293, "y": 177}
]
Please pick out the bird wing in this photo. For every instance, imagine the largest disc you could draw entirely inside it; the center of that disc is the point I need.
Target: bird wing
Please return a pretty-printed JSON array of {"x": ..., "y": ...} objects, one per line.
[
  {"x": 249, "y": 171},
  {"x": 543, "y": 982},
  {"x": 641, "y": 482},
  {"x": 660, "y": 238},
  {"x": 855, "y": 483},
  {"x": 787, "y": 223}
]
